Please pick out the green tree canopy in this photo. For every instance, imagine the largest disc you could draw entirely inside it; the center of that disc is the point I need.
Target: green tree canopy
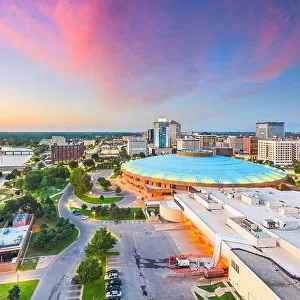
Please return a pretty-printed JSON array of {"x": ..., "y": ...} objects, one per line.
[
  {"x": 100, "y": 244},
  {"x": 33, "y": 180},
  {"x": 14, "y": 293},
  {"x": 89, "y": 270},
  {"x": 81, "y": 181},
  {"x": 73, "y": 164}
]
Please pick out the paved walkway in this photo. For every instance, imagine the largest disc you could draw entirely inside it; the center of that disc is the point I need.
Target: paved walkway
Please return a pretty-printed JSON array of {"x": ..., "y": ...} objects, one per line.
[{"x": 45, "y": 261}]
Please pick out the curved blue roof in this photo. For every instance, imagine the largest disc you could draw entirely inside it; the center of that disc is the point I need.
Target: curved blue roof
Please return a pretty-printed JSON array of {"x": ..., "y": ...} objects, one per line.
[{"x": 207, "y": 170}]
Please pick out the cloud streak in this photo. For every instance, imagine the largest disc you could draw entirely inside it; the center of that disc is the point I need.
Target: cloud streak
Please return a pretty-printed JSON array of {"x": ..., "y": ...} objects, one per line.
[{"x": 144, "y": 53}]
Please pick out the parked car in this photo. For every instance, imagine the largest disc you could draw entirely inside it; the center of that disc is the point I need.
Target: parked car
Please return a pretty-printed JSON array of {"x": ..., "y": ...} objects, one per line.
[
  {"x": 114, "y": 282},
  {"x": 75, "y": 211},
  {"x": 113, "y": 293},
  {"x": 112, "y": 271},
  {"x": 75, "y": 280},
  {"x": 113, "y": 288},
  {"x": 110, "y": 276},
  {"x": 116, "y": 221},
  {"x": 114, "y": 298},
  {"x": 84, "y": 217}
]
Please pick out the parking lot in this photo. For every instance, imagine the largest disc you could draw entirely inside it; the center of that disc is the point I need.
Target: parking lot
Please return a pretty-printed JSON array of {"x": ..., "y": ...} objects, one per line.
[{"x": 143, "y": 263}]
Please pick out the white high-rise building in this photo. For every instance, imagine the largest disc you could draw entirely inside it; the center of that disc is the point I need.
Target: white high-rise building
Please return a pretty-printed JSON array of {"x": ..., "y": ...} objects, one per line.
[
  {"x": 136, "y": 146},
  {"x": 282, "y": 153}
]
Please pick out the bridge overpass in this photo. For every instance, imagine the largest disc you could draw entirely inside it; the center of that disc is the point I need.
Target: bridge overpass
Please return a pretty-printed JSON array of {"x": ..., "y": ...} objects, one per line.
[
  {"x": 15, "y": 151},
  {"x": 10, "y": 168}
]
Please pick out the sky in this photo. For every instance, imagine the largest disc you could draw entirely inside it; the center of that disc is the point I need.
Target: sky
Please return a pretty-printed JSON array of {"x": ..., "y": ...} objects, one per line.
[{"x": 115, "y": 65}]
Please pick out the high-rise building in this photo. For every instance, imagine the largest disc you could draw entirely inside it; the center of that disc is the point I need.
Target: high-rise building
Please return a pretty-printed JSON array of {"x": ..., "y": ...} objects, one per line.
[
  {"x": 250, "y": 145},
  {"x": 66, "y": 152},
  {"x": 150, "y": 135},
  {"x": 279, "y": 152},
  {"x": 137, "y": 146},
  {"x": 175, "y": 132},
  {"x": 267, "y": 130},
  {"x": 207, "y": 140},
  {"x": 161, "y": 133}
]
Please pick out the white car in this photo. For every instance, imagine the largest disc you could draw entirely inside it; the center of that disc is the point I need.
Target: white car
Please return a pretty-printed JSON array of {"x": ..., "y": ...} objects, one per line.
[
  {"x": 113, "y": 293},
  {"x": 84, "y": 217},
  {"x": 111, "y": 276}
]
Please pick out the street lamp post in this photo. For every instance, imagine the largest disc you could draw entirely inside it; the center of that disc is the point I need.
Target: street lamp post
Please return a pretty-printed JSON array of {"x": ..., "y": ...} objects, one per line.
[
  {"x": 18, "y": 275},
  {"x": 134, "y": 216}
]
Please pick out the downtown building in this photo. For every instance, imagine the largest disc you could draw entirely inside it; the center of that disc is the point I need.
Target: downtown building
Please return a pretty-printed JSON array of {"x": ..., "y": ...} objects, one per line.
[
  {"x": 267, "y": 130},
  {"x": 137, "y": 146},
  {"x": 161, "y": 133},
  {"x": 236, "y": 143},
  {"x": 66, "y": 152},
  {"x": 175, "y": 132},
  {"x": 282, "y": 153},
  {"x": 250, "y": 146},
  {"x": 198, "y": 142}
]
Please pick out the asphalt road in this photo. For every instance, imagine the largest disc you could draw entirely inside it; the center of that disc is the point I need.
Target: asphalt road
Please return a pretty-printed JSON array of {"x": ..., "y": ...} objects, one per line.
[{"x": 54, "y": 280}]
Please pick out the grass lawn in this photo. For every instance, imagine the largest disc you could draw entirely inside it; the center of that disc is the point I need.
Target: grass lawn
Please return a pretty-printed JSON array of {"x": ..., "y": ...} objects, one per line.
[
  {"x": 89, "y": 214},
  {"x": 96, "y": 290},
  {"x": 198, "y": 297},
  {"x": 114, "y": 176},
  {"x": 51, "y": 251},
  {"x": 44, "y": 193},
  {"x": 27, "y": 289},
  {"x": 212, "y": 288},
  {"x": 28, "y": 264},
  {"x": 226, "y": 296},
  {"x": 93, "y": 200}
]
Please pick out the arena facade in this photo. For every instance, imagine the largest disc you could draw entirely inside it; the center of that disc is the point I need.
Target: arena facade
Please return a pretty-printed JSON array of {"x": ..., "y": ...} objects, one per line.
[{"x": 160, "y": 175}]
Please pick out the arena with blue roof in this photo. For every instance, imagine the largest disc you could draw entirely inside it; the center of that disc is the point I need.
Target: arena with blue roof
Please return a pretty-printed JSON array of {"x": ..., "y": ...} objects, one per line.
[{"x": 166, "y": 172}]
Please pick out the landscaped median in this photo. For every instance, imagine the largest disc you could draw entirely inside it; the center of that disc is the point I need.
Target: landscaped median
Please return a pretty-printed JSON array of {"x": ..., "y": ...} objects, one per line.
[
  {"x": 27, "y": 288},
  {"x": 135, "y": 213},
  {"x": 209, "y": 292},
  {"x": 94, "y": 200}
]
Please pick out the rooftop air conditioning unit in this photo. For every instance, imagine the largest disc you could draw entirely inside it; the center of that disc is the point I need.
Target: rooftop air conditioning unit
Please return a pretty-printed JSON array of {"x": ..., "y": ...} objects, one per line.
[
  {"x": 254, "y": 226},
  {"x": 269, "y": 223}
]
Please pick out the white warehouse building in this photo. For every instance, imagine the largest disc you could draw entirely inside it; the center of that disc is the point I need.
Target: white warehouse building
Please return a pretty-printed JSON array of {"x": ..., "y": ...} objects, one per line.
[
  {"x": 280, "y": 152},
  {"x": 136, "y": 146}
]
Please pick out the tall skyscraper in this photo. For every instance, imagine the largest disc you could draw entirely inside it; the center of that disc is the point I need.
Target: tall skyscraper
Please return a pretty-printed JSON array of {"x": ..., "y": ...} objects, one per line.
[
  {"x": 150, "y": 135},
  {"x": 175, "y": 132},
  {"x": 267, "y": 130},
  {"x": 161, "y": 133}
]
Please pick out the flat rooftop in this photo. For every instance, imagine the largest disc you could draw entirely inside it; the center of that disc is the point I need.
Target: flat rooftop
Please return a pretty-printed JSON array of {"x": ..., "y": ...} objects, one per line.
[
  {"x": 12, "y": 237},
  {"x": 216, "y": 220},
  {"x": 260, "y": 212},
  {"x": 271, "y": 274}
]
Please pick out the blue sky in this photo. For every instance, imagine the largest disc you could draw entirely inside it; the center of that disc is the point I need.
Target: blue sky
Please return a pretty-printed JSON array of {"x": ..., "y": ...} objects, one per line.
[{"x": 217, "y": 65}]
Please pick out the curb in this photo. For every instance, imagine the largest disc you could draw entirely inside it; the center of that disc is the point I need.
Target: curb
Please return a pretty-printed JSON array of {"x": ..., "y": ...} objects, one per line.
[{"x": 36, "y": 288}]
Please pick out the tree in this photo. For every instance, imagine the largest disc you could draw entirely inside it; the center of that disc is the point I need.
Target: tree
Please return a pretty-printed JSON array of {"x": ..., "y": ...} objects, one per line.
[
  {"x": 73, "y": 164},
  {"x": 89, "y": 270},
  {"x": 88, "y": 163},
  {"x": 14, "y": 293},
  {"x": 81, "y": 181},
  {"x": 33, "y": 180},
  {"x": 100, "y": 243},
  {"x": 118, "y": 190},
  {"x": 105, "y": 184},
  {"x": 142, "y": 155},
  {"x": 95, "y": 156},
  {"x": 84, "y": 206},
  {"x": 101, "y": 197},
  {"x": 41, "y": 165}
]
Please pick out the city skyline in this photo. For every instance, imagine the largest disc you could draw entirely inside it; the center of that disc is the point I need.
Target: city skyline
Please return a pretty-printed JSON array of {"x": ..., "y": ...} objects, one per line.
[{"x": 108, "y": 66}]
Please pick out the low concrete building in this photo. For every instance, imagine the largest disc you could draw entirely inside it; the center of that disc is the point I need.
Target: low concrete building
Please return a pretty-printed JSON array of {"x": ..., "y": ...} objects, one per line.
[
  {"x": 13, "y": 241},
  {"x": 137, "y": 146}
]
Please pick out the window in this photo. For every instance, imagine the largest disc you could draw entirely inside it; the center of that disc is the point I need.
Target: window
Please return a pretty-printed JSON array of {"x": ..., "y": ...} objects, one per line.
[{"x": 235, "y": 266}]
